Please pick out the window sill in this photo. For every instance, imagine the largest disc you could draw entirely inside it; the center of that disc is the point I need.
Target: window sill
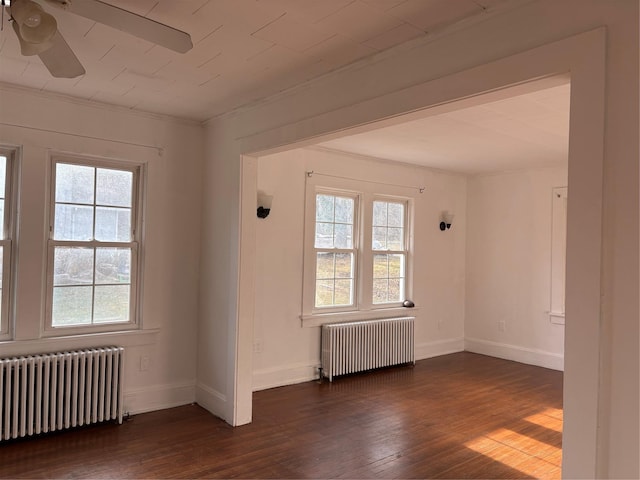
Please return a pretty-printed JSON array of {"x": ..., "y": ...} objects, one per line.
[
  {"x": 557, "y": 318},
  {"x": 319, "y": 319},
  {"x": 130, "y": 338}
]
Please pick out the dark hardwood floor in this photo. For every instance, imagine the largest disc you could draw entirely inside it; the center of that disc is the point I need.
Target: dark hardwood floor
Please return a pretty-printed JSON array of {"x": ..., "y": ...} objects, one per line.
[{"x": 456, "y": 416}]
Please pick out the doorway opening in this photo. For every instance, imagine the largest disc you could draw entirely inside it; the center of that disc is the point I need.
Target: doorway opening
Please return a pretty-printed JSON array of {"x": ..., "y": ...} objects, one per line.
[{"x": 491, "y": 284}]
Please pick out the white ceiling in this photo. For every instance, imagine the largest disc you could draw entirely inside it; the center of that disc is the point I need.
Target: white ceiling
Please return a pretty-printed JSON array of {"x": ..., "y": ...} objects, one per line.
[
  {"x": 523, "y": 131},
  {"x": 244, "y": 50}
]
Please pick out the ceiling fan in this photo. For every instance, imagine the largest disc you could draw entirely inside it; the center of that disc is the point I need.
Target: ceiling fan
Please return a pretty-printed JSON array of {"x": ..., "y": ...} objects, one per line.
[{"x": 38, "y": 32}]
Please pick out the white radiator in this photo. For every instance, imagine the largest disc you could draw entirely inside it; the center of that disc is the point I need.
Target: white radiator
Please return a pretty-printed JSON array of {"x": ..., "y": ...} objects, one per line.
[
  {"x": 357, "y": 346},
  {"x": 54, "y": 391}
]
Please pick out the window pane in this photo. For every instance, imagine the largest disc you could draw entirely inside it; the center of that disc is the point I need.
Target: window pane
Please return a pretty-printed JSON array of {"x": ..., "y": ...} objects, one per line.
[
  {"x": 324, "y": 235},
  {"x": 114, "y": 187},
  {"x": 324, "y": 293},
  {"x": 74, "y": 183},
  {"x": 73, "y": 222},
  {"x": 325, "y": 265},
  {"x": 396, "y": 290},
  {"x": 343, "y": 292},
  {"x": 379, "y": 238},
  {"x": 344, "y": 265},
  {"x": 72, "y": 266},
  {"x": 111, "y": 304},
  {"x": 396, "y": 215},
  {"x": 113, "y": 265},
  {"x": 71, "y": 306},
  {"x": 380, "y": 266},
  {"x": 343, "y": 236},
  {"x": 324, "y": 208},
  {"x": 344, "y": 210},
  {"x": 394, "y": 238},
  {"x": 380, "y": 290},
  {"x": 396, "y": 266},
  {"x": 113, "y": 224},
  {"x": 380, "y": 214},
  {"x": 388, "y": 278},
  {"x": 388, "y": 223}
]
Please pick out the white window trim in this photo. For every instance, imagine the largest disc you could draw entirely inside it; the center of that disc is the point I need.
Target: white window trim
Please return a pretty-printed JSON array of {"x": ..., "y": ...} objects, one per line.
[
  {"x": 558, "y": 254},
  {"x": 9, "y": 241},
  {"x": 363, "y": 307},
  {"x": 137, "y": 214}
]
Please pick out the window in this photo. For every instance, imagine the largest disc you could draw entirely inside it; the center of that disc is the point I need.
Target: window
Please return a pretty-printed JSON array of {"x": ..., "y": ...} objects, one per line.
[
  {"x": 94, "y": 245},
  {"x": 389, "y": 252},
  {"x": 356, "y": 251},
  {"x": 335, "y": 250},
  {"x": 558, "y": 253},
  {"x": 7, "y": 209}
]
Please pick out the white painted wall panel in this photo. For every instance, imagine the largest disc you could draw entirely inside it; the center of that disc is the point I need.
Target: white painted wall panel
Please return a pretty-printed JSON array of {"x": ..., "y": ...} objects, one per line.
[
  {"x": 286, "y": 352},
  {"x": 508, "y": 279},
  {"x": 40, "y": 123}
]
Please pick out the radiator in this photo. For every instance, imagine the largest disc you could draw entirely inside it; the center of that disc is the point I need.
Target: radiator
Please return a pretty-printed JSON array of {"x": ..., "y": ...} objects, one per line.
[
  {"x": 54, "y": 391},
  {"x": 358, "y": 346}
]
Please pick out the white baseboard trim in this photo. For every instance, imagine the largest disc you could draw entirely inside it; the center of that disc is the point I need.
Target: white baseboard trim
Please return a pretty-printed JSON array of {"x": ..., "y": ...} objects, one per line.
[
  {"x": 290, "y": 375},
  {"x": 281, "y": 376},
  {"x": 530, "y": 356},
  {"x": 211, "y": 400},
  {"x": 439, "y": 347},
  {"x": 158, "y": 397}
]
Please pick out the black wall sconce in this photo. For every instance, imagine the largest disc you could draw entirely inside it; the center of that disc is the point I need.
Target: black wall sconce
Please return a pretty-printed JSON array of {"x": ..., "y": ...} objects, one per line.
[
  {"x": 264, "y": 205},
  {"x": 446, "y": 220}
]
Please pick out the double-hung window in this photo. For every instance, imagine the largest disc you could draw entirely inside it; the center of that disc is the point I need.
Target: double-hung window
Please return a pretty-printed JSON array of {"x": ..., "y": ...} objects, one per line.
[
  {"x": 94, "y": 245},
  {"x": 8, "y": 196},
  {"x": 357, "y": 255},
  {"x": 389, "y": 248},
  {"x": 335, "y": 250}
]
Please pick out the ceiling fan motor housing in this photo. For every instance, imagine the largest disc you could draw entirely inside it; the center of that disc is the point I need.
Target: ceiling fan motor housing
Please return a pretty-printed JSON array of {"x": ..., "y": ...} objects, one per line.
[{"x": 35, "y": 25}]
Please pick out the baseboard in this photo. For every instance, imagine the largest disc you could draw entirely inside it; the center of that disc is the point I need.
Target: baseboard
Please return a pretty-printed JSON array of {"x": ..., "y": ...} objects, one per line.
[
  {"x": 290, "y": 375},
  {"x": 439, "y": 347},
  {"x": 281, "y": 376},
  {"x": 211, "y": 400},
  {"x": 530, "y": 356},
  {"x": 158, "y": 397}
]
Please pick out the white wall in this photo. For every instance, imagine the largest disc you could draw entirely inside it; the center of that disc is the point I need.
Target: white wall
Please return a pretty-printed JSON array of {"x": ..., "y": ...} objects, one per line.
[
  {"x": 287, "y": 352},
  {"x": 508, "y": 280},
  {"x": 42, "y": 123},
  {"x": 601, "y": 385},
  {"x": 494, "y": 266}
]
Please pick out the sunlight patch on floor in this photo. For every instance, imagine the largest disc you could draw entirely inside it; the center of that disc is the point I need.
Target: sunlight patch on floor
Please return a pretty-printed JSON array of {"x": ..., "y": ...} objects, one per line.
[
  {"x": 524, "y": 453},
  {"x": 547, "y": 419}
]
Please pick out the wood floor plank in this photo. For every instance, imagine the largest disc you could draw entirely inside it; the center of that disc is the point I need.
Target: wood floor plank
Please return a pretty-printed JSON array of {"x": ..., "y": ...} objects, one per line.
[{"x": 456, "y": 416}]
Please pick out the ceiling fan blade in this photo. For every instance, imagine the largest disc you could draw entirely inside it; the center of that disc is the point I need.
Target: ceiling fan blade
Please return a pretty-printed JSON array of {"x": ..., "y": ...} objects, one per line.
[
  {"x": 129, "y": 22},
  {"x": 60, "y": 59}
]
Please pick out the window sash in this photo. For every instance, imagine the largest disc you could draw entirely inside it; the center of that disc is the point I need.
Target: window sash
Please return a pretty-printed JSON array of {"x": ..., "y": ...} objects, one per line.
[
  {"x": 5, "y": 297},
  {"x": 389, "y": 279},
  {"x": 352, "y": 279}
]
